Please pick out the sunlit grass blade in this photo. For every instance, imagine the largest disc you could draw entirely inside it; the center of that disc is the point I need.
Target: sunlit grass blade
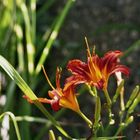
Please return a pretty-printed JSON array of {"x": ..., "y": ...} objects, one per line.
[
  {"x": 33, "y": 16},
  {"x": 53, "y": 35},
  {"x": 20, "y": 48},
  {"x": 9, "y": 69},
  {"x": 30, "y": 47},
  {"x": 14, "y": 122}
]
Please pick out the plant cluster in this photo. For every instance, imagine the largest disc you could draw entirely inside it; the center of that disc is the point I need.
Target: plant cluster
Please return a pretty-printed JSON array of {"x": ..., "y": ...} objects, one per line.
[{"x": 95, "y": 74}]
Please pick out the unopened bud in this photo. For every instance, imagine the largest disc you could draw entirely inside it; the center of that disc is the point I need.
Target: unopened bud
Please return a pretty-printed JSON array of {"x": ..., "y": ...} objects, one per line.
[
  {"x": 129, "y": 120},
  {"x": 133, "y": 96},
  {"x": 51, "y": 135}
]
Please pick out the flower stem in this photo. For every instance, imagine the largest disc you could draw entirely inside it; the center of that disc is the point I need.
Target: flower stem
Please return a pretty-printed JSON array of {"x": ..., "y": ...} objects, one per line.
[
  {"x": 109, "y": 103},
  {"x": 85, "y": 118},
  {"x": 92, "y": 90},
  {"x": 107, "y": 97}
]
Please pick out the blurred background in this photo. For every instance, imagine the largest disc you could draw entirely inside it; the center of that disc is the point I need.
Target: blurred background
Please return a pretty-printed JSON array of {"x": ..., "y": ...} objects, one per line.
[{"x": 51, "y": 32}]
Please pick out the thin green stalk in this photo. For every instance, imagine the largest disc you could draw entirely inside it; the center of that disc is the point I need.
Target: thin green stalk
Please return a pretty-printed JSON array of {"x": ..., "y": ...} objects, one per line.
[
  {"x": 33, "y": 16},
  {"x": 109, "y": 104},
  {"x": 20, "y": 48},
  {"x": 124, "y": 125},
  {"x": 30, "y": 47},
  {"x": 14, "y": 122},
  {"x": 97, "y": 115},
  {"x": 122, "y": 99},
  {"x": 118, "y": 91},
  {"x": 53, "y": 35},
  {"x": 85, "y": 118},
  {"x": 92, "y": 90}
]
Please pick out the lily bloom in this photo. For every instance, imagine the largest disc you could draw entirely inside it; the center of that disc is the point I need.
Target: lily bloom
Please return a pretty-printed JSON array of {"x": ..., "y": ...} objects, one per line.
[
  {"x": 96, "y": 71},
  {"x": 59, "y": 97}
]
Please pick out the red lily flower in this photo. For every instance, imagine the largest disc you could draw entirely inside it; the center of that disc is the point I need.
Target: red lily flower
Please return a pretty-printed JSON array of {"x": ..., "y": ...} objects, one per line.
[
  {"x": 96, "y": 71},
  {"x": 59, "y": 97}
]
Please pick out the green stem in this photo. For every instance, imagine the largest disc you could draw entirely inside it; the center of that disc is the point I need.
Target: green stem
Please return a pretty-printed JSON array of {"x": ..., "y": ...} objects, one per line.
[
  {"x": 109, "y": 102},
  {"x": 119, "y": 130},
  {"x": 122, "y": 99},
  {"x": 128, "y": 120},
  {"x": 85, "y": 118},
  {"x": 92, "y": 90}
]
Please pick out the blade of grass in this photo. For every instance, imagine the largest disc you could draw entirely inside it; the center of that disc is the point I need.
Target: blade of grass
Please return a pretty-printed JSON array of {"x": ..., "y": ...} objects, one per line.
[
  {"x": 20, "y": 49},
  {"x": 9, "y": 69},
  {"x": 14, "y": 122},
  {"x": 30, "y": 47},
  {"x": 53, "y": 35},
  {"x": 24, "y": 108},
  {"x": 33, "y": 16}
]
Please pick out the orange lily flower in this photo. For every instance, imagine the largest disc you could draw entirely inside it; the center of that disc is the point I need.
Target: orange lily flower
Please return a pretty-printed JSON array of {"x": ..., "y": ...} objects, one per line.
[
  {"x": 96, "y": 71},
  {"x": 59, "y": 97}
]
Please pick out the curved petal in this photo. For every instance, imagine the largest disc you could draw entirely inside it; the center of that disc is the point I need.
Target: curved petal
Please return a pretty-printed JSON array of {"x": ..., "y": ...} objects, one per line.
[
  {"x": 73, "y": 81},
  {"x": 121, "y": 68},
  {"x": 109, "y": 61},
  {"x": 77, "y": 67}
]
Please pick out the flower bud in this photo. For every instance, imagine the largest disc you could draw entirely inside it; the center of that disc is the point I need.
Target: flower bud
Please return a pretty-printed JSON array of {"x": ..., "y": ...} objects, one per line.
[{"x": 133, "y": 96}]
